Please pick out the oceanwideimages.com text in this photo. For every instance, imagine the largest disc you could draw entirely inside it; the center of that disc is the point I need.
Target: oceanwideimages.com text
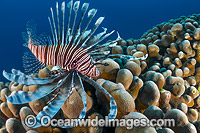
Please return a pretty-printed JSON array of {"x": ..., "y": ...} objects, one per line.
[{"x": 46, "y": 121}]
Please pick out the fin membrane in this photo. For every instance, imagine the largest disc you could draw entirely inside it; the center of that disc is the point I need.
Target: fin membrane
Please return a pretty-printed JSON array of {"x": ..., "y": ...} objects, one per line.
[
  {"x": 54, "y": 106},
  {"x": 22, "y": 78}
]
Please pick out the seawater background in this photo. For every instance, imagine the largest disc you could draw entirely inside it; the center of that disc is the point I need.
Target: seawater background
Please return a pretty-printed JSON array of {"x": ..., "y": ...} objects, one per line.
[{"x": 131, "y": 18}]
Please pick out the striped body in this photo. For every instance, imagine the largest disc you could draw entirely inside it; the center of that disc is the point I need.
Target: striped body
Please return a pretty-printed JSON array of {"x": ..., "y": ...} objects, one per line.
[{"x": 66, "y": 58}]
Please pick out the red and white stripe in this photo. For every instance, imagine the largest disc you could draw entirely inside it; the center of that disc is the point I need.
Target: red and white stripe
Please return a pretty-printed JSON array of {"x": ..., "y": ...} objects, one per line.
[{"x": 75, "y": 59}]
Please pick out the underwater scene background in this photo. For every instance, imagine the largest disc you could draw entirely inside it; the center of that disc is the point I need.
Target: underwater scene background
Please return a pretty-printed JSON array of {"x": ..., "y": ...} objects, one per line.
[
  {"x": 151, "y": 73},
  {"x": 131, "y": 18}
]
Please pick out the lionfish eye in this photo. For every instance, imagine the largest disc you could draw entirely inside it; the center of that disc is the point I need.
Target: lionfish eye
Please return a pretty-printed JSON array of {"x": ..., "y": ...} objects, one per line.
[{"x": 106, "y": 64}]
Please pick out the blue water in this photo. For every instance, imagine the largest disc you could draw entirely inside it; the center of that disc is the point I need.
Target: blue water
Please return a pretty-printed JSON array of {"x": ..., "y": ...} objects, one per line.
[{"x": 131, "y": 18}]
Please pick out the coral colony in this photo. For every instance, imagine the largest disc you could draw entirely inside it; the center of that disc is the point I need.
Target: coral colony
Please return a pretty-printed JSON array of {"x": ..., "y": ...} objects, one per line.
[{"x": 72, "y": 74}]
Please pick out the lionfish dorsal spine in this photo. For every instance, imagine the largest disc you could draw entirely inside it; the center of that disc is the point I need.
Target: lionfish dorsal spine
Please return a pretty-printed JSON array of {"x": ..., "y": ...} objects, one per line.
[
  {"x": 52, "y": 30},
  {"x": 91, "y": 14},
  {"x": 70, "y": 47},
  {"x": 58, "y": 22},
  {"x": 63, "y": 21},
  {"x": 67, "y": 32},
  {"x": 75, "y": 8},
  {"x": 54, "y": 26}
]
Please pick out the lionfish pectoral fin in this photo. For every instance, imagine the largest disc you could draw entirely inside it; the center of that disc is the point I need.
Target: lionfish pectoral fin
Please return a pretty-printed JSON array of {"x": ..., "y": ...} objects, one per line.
[
  {"x": 31, "y": 64},
  {"x": 22, "y": 97},
  {"x": 19, "y": 77},
  {"x": 54, "y": 106},
  {"x": 113, "y": 105},
  {"x": 80, "y": 89}
]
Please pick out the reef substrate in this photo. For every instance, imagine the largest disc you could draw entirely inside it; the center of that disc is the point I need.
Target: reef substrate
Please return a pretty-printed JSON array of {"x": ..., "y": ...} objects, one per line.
[{"x": 164, "y": 86}]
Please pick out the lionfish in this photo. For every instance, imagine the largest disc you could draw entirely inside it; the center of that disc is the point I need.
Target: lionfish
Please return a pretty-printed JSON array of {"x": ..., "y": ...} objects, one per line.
[{"x": 73, "y": 52}]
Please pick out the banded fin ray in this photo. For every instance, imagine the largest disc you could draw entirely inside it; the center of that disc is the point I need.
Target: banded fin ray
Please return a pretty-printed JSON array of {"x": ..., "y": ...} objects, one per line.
[
  {"x": 84, "y": 33},
  {"x": 113, "y": 105},
  {"x": 80, "y": 89},
  {"x": 28, "y": 80},
  {"x": 21, "y": 97},
  {"x": 58, "y": 22},
  {"x": 31, "y": 64},
  {"x": 54, "y": 106}
]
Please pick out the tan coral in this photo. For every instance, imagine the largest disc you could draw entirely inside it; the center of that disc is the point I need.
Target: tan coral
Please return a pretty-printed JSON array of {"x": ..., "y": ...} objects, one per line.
[
  {"x": 138, "y": 54},
  {"x": 153, "y": 51},
  {"x": 181, "y": 122},
  {"x": 167, "y": 73},
  {"x": 149, "y": 89},
  {"x": 176, "y": 29},
  {"x": 102, "y": 98},
  {"x": 14, "y": 126},
  {"x": 117, "y": 50},
  {"x": 172, "y": 51},
  {"x": 133, "y": 67},
  {"x": 91, "y": 129},
  {"x": 73, "y": 105},
  {"x": 43, "y": 72},
  {"x": 109, "y": 72},
  {"x": 178, "y": 73},
  {"x": 129, "y": 49},
  {"x": 175, "y": 101},
  {"x": 6, "y": 110},
  {"x": 157, "y": 78},
  {"x": 197, "y": 34},
  {"x": 154, "y": 68},
  {"x": 142, "y": 48},
  {"x": 177, "y": 62},
  {"x": 24, "y": 112},
  {"x": 14, "y": 108},
  {"x": 4, "y": 92},
  {"x": 38, "y": 105},
  {"x": 111, "y": 86},
  {"x": 192, "y": 115},
  {"x": 122, "y": 43},
  {"x": 190, "y": 64},
  {"x": 138, "y": 129},
  {"x": 154, "y": 112},
  {"x": 136, "y": 85},
  {"x": 165, "y": 97},
  {"x": 125, "y": 77},
  {"x": 129, "y": 42},
  {"x": 167, "y": 62},
  {"x": 125, "y": 102},
  {"x": 16, "y": 87},
  {"x": 183, "y": 107},
  {"x": 192, "y": 91},
  {"x": 143, "y": 66},
  {"x": 186, "y": 47},
  {"x": 197, "y": 102}
]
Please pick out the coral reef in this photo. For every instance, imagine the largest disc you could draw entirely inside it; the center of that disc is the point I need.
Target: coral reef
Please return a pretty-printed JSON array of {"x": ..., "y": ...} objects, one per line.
[{"x": 163, "y": 86}]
